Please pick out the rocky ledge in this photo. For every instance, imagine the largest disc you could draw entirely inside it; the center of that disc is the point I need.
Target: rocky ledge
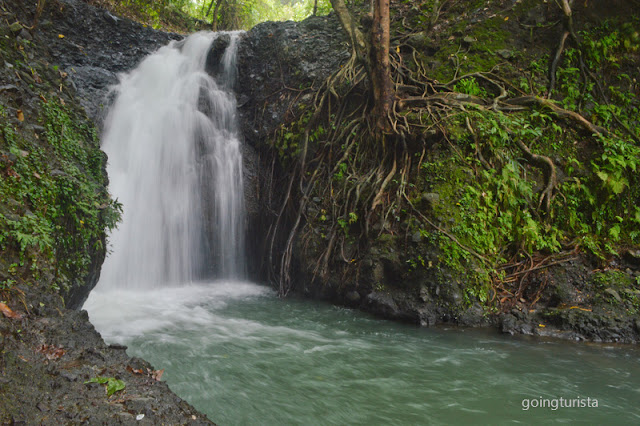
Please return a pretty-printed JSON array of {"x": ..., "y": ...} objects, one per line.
[{"x": 50, "y": 367}]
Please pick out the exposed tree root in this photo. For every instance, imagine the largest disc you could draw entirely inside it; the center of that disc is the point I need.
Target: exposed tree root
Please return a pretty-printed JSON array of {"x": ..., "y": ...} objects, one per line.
[
  {"x": 551, "y": 175},
  {"x": 554, "y": 64},
  {"x": 361, "y": 173},
  {"x": 528, "y": 101},
  {"x": 523, "y": 270}
]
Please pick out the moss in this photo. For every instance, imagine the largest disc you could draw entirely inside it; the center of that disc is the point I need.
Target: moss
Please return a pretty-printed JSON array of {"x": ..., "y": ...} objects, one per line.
[
  {"x": 479, "y": 55},
  {"x": 615, "y": 287},
  {"x": 612, "y": 278},
  {"x": 55, "y": 206}
]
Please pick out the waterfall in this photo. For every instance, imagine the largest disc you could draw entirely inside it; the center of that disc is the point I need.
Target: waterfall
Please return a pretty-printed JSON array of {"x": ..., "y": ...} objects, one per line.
[{"x": 175, "y": 164}]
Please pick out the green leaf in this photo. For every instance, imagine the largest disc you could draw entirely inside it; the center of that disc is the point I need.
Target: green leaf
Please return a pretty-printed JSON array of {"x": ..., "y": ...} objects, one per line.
[
  {"x": 114, "y": 385},
  {"x": 101, "y": 380},
  {"x": 614, "y": 232},
  {"x": 617, "y": 186}
]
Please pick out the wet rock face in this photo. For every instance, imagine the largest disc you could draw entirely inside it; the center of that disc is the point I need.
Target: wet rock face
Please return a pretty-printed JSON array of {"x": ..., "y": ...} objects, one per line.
[
  {"x": 95, "y": 46},
  {"x": 276, "y": 61},
  {"x": 214, "y": 65},
  {"x": 275, "y": 57}
]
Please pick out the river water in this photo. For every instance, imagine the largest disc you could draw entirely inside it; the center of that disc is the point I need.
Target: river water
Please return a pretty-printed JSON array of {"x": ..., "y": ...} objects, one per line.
[{"x": 242, "y": 356}]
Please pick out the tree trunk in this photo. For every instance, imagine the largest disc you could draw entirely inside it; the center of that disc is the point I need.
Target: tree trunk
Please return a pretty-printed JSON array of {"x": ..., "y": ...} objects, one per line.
[
  {"x": 374, "y": 53},
  {"x": 214, "y": 21},
  {"x": 315, "y": 8},
  {"x": 357, "y": 38},
  {"x": 381, "y": 69}
]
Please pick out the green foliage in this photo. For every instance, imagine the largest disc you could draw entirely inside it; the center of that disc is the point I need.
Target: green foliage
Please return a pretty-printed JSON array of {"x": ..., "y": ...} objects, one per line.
[
  {"x": 55, "y": 189},
  {"x": 31, "y": 231},
  {"x": 339, "y": 175},
  {"x": 346, "y": 223},
  {"x": 113, "y": 385},
  {"x": 495, "y": 212},
  {"x": 608, "y": 52},
  {"x": 612, "y": 284},
  {"x": 470, "y": 86},
  {"x": 415, "y": 262},
  {"x": 232, "y": 14},
  {"x": 604, "y": 203},
  {"x": 288, "y": 139}
]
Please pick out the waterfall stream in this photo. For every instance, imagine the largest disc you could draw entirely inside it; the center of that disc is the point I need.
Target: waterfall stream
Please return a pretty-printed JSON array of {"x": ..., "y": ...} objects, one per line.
[
  {"x": 175, "y": 165},
  {"x": 171, "y": 289}
]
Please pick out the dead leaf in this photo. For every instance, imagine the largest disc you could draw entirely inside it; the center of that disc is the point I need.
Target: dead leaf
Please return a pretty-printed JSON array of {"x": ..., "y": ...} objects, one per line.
[
  {"x": 134, "y": 371},
  {"x": 20, "y": 115},
  {"x": 582, "y": 309},
  {"x": 62, "y": 102},
  {"x": 7, "y": 312},
  {"x": 157, "y": 374},
  {"x": 36, "y": 175},
  {"x": 51, "y": 352}
]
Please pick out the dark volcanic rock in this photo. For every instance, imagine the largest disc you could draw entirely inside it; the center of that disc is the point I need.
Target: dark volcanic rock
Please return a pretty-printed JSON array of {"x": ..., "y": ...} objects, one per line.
[
  {"x": 95, "y": 47},
  {"x": 220, "y": 44},
  {"x": 47, "y": 362},
  {"x": 278, "y": 64},
  {"x": 277, "y": 57}
]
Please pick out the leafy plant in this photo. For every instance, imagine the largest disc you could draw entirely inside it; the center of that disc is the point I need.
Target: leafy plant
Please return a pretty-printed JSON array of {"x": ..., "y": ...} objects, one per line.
[
  {"x": 60, "y": 207},
  {"x": 113, "y": 385},
  {"x": 470, "y": 86}
]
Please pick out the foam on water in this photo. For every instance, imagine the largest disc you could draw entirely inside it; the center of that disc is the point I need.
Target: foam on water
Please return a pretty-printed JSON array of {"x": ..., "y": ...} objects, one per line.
[{"x": 121, "y": 315}]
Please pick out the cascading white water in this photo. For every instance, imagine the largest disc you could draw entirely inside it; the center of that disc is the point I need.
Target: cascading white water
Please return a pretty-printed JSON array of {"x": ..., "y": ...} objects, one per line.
[
  {"x": 175, "y": 165},
  {"x": 237, "y": 352}
]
